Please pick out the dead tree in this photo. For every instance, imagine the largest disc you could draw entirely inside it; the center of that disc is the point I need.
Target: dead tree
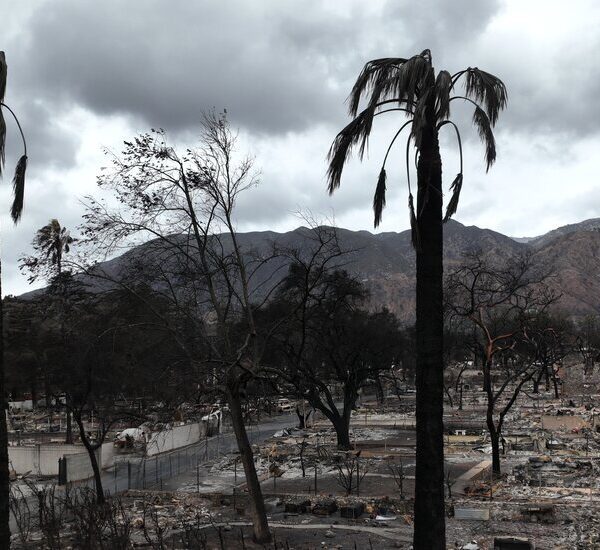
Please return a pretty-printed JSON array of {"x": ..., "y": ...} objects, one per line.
[
  {"x": 331, "y": 347},
  {"x": 450, "y": 479},
  {"x": 182, "y": 207},
  {"x": 186, "y": 203},
  {"x": 399, "y": 475},
  {"x": 502, "y": 302},
  {"x": 351, "y": 471}
]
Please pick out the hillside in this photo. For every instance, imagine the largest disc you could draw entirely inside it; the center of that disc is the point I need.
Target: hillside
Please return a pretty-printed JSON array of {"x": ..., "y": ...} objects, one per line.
[{"x": 386, "y": 261}]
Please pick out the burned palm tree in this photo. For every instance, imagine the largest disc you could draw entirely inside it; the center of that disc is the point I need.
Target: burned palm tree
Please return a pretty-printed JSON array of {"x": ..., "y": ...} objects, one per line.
[
  {"x": 410, "y": 87},
  {"x": 50, "y": 244},
  {"x": 15, "y": 212}
]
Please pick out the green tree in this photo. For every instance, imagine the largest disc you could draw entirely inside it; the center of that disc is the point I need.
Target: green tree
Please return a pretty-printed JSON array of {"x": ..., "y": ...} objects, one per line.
[
  {"x": 412, "y": 87},
  {"x": 15, "y": 212}
]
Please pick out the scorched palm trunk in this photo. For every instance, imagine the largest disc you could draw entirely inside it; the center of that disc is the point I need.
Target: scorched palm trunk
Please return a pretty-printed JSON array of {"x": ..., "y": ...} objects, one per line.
[{"x": 429, "y": 530}]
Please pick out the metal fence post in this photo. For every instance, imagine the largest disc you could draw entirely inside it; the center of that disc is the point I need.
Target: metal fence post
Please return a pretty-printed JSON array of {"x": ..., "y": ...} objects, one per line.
[{"x": 128, "y": 475}]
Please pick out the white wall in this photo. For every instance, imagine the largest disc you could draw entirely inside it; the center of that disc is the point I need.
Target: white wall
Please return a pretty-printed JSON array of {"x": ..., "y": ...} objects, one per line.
[
  {"x": 79, "y": 465},
  {"x": 41, "y": 460},
  {"x": 26, "y": 405},
  {"x": 107, "y": 455},
  {"x": 178, "y": 436}
]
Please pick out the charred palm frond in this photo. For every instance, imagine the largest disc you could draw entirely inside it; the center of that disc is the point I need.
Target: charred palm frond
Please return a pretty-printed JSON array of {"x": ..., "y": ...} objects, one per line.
[
  {"x": 3, "y": 71},
  {"x": 388, "y": 79},
  {"x": 420, "y": 119},
  {"x": 414, "y": 225},
  {"x": 456, "y": 185},
  {"x": 18, "y": 189},
  {"x": 19, "y": 177},
  {"x": 379, "y": 197},
  {"x": 376, "y": 71},
  {"x": 484, "y": 129},
  {"x": 411, "y": 85},
  {"x": 488, "y": 90},
  {"x": 357, "y": 132},
  {"x": 2, "y": 141},
  {"x": 443, "y": 87},
  {"x": 453, "y": 202},
  {"x": 3, "y": 74}
]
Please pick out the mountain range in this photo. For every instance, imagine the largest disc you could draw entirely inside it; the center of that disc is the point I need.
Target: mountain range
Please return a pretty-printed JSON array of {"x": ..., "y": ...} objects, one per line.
[{"x": 385, "y": 262}]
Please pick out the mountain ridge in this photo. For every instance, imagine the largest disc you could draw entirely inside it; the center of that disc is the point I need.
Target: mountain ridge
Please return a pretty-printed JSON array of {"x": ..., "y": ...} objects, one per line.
[{"x": 385, "y": 262}]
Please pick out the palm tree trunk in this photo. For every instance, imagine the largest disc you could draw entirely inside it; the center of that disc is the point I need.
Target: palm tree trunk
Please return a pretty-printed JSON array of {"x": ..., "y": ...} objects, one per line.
[
  {"x": 4, "y": 475},
  {"x": 429, "y": 530},
  {"x": 262, "y": 534}
]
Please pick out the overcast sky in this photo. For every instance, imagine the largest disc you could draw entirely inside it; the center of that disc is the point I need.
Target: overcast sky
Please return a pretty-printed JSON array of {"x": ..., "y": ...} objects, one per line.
[{"x": 87, "y": 74}]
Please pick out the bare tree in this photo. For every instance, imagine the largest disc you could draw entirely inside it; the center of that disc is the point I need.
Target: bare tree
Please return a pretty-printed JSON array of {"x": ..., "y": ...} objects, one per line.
[
  {"x": 502, "y": 302},
  {"x": 351, "y": 471},
  {"x": 186, "y": 204},
  {"x": 450, "y": 479},
  {"x": 331, "y": 342},
  {"x": 399, "y": 475}
]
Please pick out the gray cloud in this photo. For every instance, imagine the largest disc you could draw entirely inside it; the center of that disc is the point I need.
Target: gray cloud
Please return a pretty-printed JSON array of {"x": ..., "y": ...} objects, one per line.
[{"x": 283, "y": 73}]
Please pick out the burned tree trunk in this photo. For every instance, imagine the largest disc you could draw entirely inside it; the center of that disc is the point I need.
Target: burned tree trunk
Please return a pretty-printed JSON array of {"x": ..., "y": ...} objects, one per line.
[
  {"x": 429, "y": 532},
  {"x": 259, "y": 517},
  {"x": 91, "y": 450},
  {"x": 341, "y": 424}
]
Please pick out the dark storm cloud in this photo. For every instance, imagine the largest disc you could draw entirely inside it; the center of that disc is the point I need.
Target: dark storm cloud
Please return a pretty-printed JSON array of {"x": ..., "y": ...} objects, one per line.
[
  {"x": 275, "y": 67},
  {"x": 172, "y": 59},
  {"x": 283, "y": 71},
  {"x": 51, "y": 144},
  {"x": 443, "y": 27}
]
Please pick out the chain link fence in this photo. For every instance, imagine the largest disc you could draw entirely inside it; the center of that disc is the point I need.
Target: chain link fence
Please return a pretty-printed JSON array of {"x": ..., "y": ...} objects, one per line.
[{"x": 152, "y": 472}]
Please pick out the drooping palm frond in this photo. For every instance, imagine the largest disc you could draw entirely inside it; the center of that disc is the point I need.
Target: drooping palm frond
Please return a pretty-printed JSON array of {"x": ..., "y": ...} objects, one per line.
[
  {"x": 453, "y": 202},
  {"x": 3, "y": 72},
  {"x": 414, "y": 225},
  {"x": 390, "y": 79},
  {"x": 18, "y": 189},
  {"x": 2, "y": 141},
  {"x": 443, "y": 87},
  {"x": 375, "y": 71},
  {"x": 357, "y": 132},
  {"x": 420, "y": 117},
  {"x": 484, "y": 129},
  {"x": 487, "y": 90},
  {"x": 379, "y": 197}
]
